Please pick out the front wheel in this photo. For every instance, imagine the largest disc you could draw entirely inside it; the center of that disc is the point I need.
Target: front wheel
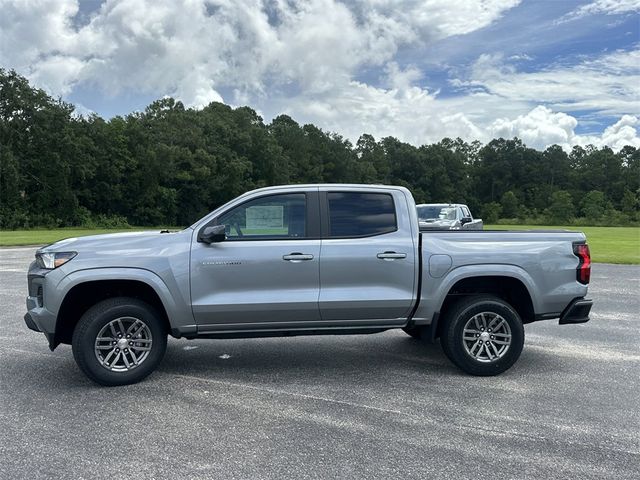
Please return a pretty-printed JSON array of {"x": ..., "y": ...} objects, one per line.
[
  {"x": 482, "y": 335},
  {"x": 119, "y": 341}
]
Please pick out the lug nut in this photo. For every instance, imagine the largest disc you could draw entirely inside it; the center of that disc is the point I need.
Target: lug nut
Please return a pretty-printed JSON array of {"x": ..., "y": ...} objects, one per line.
[{"x": 131, "y": 344}]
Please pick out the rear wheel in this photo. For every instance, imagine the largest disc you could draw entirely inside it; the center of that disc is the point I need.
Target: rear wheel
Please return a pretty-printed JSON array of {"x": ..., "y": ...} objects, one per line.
[
  {"x": 482, "y": 335},
  {"x": 119, "y": 341}
]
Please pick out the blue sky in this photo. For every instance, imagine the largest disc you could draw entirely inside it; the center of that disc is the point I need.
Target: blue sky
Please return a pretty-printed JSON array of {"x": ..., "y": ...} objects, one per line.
[{"x": 548, "y": 71}]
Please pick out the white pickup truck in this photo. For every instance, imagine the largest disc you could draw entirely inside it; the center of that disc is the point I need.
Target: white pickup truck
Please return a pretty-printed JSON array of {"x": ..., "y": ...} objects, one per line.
[{"x": 447, "y": 216}]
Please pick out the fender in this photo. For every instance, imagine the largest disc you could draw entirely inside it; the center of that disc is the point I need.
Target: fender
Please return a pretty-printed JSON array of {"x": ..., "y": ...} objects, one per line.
[
  {"x": 433, "y": 294},
  {"x": 176, "y": 311}
]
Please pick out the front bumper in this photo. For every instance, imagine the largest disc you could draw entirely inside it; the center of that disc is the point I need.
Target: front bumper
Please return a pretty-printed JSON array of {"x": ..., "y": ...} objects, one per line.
[
  {"x": 576, "y": 312},
  {"x": 31, "y": 325}
]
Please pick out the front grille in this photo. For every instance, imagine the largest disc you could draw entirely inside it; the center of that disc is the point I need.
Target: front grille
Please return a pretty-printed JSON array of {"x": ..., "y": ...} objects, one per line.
[{"x": 40, "y": 296}]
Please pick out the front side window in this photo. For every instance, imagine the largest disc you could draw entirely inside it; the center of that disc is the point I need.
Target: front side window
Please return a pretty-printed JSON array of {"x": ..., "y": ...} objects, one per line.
[
  {"x": 360, "y": 214},
  {"x": 272, "y": 217}
]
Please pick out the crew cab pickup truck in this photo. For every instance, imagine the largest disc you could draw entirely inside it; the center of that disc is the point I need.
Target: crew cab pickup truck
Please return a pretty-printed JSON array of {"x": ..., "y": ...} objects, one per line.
[
  {"x": 447, "y": 216},
  {"x": 302, "y": 260}
]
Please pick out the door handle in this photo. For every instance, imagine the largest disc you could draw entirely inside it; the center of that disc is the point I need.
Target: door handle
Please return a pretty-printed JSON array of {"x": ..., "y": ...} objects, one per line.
[
  {"x": 297, "y": 257},
  {"x": 391, "y": 255}
]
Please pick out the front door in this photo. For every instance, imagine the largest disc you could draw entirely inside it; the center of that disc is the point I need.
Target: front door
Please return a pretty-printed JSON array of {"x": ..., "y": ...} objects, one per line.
[{"x": 265, "y": 273}]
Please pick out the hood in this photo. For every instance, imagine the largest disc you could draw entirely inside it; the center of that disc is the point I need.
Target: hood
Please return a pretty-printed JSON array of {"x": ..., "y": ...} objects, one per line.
[
  {"x": 437, "y": 224},
  {"x": 145, "y": 240}
]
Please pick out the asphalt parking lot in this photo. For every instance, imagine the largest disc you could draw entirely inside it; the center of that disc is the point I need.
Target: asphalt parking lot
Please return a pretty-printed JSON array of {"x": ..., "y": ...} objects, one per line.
[{"x": 366, "y": 406}]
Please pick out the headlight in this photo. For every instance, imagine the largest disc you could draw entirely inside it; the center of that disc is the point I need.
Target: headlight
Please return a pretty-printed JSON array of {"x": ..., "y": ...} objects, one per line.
[{"x": 51, "y": 260}]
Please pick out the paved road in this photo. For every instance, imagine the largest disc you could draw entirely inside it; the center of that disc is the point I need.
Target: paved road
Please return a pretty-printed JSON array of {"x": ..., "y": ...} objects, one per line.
[{"x": 367, "y": 406}]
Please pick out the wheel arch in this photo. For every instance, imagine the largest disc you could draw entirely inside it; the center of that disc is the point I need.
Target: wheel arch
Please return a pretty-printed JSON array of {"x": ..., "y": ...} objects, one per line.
[
  {"x": 509, "y": 282},
  {"x": 510, "y": 289},
  {"x": 86, "y": 288}
]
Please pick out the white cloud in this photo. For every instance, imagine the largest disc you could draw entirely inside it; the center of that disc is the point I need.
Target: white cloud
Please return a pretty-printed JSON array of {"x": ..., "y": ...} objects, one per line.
[
  {"x": 193, "y": 48},
  {"x": 609, "y": 84},
  {"x": 539, "y": 127},
  {"x": 306, "y": 58},
  {"x": 542, "y": 127},
  {"x": 616, "y": 136},
  {"x": 607, "y": 7}
]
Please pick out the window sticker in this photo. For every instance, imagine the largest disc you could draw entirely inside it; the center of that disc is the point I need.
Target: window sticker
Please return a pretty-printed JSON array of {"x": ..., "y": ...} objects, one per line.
[{"x": 265, "y": 216}]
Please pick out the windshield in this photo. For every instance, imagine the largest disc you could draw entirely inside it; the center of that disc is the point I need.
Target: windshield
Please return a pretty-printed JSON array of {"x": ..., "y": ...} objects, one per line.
[{"x": 436, "y": 213}]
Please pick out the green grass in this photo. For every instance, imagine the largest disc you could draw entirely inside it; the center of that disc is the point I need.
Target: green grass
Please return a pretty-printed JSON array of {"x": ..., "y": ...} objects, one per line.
[
  {"x": 607, "y": 244},
  {"x": 14, "y": 238}
]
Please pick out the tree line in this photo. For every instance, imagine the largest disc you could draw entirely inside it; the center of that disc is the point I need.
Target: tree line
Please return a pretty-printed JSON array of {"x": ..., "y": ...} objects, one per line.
[{"x": 170, "y": 165}]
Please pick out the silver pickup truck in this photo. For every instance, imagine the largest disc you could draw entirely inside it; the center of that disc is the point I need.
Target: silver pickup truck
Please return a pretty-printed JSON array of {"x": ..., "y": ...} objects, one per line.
[{"x": 302, "y": 260}]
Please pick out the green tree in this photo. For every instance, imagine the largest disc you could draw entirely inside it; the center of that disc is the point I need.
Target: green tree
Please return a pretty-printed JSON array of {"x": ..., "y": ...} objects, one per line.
[
  {"x": 510, "y": 205},
  {"x": 561, "y": 210},
  {"x": 594, "y": 205},
  {"x": 491, "y": 212}
]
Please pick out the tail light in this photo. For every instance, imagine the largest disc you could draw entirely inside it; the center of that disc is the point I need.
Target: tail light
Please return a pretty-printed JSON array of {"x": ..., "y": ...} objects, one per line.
[{"x": 583, "y": 272}]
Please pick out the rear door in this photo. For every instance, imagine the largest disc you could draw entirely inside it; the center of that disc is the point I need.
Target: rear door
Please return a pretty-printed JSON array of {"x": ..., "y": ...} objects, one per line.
[{"x": 368, "y": 267}]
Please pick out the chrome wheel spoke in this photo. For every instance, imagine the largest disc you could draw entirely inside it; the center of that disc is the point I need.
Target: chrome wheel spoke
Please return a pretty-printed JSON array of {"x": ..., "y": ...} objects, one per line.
[
  {"x": 486, "y": 349},
  {"x": 106, "y": 359},
  {"x": 133, "y": 325},
  {"x": 137, "y": 332},
  {"x": 476, "y": 319},
  {"x": 498, "y": 325},
  {"x": 141, "y": 349},
  {"x": 499, "y": 334},
  {"x": 115, "y": 360},
  {"x": 133, "y": 357},
  {"x": 126, "y": 360},
  {"x": 121, "y": 327}
]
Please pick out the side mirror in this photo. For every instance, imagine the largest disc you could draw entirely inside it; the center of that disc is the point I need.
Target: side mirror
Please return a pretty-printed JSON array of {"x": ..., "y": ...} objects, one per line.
[
  {"x": 464, "y": 220},
  {"x": 212, "y": 234}
]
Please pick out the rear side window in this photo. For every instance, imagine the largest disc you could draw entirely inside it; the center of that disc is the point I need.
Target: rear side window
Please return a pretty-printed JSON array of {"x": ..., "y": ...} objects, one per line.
[{"x": 361, "y": 214}]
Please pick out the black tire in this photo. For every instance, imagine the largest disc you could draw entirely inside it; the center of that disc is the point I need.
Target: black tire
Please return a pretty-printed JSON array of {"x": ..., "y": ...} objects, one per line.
[
  {"x": 459, "y": 351},
  {"x": 414, "y": 332},
  {"x": 100, "y": 315}
]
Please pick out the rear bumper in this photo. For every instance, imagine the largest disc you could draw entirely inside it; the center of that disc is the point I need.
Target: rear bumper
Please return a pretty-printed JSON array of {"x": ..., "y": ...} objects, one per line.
[{"x": 576, "y": 312}]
